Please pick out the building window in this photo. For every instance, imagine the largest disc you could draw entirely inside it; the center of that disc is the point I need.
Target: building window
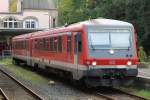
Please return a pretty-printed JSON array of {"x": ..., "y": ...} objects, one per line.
[
  {"x": 10, "y": 22},
  {"x": 54, "y": 22},
  {"x": 27, "y": 24},
  {"x": 30, "y": 23}
]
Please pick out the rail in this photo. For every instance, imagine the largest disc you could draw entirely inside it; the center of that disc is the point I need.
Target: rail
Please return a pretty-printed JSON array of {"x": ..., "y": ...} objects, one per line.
[
  {"x": 118, "y": 94},
  {"x": 132, "y": 95},
  {"x": 4, "y": 95},
  {"x": 38, "y": 97}
]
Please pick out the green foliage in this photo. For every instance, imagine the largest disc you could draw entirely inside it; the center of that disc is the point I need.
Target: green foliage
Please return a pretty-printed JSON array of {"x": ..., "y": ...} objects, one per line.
[
  {"x": 141, "y": 54},
  {"x": 13, "y": 6}
]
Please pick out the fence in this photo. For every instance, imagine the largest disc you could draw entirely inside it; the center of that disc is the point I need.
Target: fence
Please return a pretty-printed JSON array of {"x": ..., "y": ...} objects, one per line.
[{"x": 5, "y": 54}]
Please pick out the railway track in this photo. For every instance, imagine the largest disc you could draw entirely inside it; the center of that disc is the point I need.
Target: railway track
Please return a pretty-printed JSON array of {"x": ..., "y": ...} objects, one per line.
[
  {"x": 117, "y": 94},
  {"x": 3, "y": 96},
  {"x": 14, "y": 89}
]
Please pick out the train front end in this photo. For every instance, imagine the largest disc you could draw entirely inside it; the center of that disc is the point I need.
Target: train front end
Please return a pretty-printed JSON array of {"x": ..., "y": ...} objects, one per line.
[{"x": 111, "y": 54}]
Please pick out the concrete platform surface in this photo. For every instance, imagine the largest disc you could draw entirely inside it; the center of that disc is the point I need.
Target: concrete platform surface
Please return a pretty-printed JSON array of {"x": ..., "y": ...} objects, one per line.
[{"x": 144, "y": 73}]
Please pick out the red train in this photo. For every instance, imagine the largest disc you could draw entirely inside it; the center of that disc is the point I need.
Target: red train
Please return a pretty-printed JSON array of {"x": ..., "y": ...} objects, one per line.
[{"x": 100, "y": 52}]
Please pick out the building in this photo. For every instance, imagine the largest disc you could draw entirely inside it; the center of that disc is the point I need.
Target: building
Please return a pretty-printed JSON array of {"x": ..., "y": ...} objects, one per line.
[{"x": 23, "y": 16}]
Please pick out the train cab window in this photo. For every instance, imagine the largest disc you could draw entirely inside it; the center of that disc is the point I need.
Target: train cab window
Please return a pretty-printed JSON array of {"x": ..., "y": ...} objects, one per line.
[
  {"x": 60, "y": 44},
  {"x": 68, "y": 43},
  {"x": 51, "y": 44}
]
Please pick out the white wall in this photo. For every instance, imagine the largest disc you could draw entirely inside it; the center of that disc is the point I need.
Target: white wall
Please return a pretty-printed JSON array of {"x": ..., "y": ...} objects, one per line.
[
  {"x": 42, "y": 16},
  {"x": 4, "y": 5}
]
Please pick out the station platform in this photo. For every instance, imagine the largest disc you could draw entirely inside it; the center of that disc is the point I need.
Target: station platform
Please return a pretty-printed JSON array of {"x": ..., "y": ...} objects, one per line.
[{"x": 144, "y": 73}]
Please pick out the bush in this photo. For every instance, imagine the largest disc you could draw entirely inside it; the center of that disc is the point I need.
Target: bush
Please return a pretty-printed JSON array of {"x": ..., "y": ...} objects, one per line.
[{"x": 142, "y": 55}]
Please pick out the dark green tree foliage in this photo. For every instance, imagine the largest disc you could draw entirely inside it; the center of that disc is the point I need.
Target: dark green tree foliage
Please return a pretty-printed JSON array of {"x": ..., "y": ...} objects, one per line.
[{"x": 136, "y": 12}]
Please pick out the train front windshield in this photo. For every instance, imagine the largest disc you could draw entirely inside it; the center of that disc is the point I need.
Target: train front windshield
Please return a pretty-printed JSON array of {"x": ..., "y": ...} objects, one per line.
[{"x": 115, "y": 39}]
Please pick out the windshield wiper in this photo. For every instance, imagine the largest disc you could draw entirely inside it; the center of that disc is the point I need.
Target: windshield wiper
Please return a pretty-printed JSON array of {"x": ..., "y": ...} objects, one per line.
[
  {"x": 92, "y": 47},
  {"x": 91, "y": 44}
]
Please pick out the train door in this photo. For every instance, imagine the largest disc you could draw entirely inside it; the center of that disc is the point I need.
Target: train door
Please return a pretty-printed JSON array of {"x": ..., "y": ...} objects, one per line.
[
  {"x": 29, "y": 61},
  {"x": 69, "y": 58},
  {"x": 77, "y": 39}
]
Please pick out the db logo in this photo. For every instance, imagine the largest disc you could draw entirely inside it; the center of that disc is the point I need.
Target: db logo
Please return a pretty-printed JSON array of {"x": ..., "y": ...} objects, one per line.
[{"x": 112, "y": 62}]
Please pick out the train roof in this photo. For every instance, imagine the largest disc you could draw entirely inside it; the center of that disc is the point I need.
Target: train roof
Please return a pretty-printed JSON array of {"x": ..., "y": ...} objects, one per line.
[
  {"x": 103, "y": 21},
  {"x": 100, "y": 21},
  {"x": 78, "y": 26}
]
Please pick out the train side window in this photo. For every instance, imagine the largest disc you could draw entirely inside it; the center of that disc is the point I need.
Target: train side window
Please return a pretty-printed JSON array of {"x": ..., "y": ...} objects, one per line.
[
  {"x": 40, "y": 47},
  {"x": 68, "y": 43},
  {"x": 38, "y": 44},
  {"x": 79, "y": 43},
  {"x": 35, "y": 44},
  {"x": 60, "y": 44},
  {"x": 45, "y": 44},
  {"x": 27, "y": 45},
  {"x": 51, "y": 44},
  {"x": 16, "y": 46},
  {"x": 55, "y": 43},
  {"x": 13, "y": 45}
]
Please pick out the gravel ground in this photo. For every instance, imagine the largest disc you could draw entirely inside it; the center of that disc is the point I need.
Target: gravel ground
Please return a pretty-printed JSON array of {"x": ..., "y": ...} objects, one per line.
[{"x": 57, "y": 90}]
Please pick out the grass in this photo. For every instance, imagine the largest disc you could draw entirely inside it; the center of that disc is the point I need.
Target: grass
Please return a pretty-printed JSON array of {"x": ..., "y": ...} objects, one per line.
[
  {"x": 143, "y": 93},
  {"x": 25, "y": 74},
  {"x": 138, "y": 91}
]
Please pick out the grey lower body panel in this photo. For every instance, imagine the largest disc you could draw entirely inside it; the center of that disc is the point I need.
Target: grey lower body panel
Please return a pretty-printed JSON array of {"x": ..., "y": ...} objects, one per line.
[
  {"x": 101, "y": 72},
  {"x": 109, "y": 76}
]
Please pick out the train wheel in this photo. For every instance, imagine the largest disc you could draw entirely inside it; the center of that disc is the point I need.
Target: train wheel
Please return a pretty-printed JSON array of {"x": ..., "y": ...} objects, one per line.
[
  {"x": 35, "y": 67},
  {"x": 76, "y": 83}
]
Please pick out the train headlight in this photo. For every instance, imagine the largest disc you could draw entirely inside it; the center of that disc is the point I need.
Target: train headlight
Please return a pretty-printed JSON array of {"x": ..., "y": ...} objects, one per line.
[
  {"x": 129, "y": 63},
  {"x": 94, "y": 63},
  {"x": 111, "y": 52}
]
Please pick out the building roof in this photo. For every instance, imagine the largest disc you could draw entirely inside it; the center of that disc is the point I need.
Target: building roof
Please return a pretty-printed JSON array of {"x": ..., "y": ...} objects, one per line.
[{"x": 39, "y": 4}]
